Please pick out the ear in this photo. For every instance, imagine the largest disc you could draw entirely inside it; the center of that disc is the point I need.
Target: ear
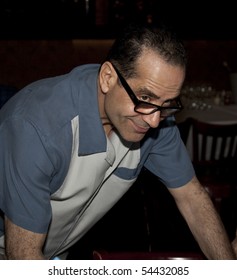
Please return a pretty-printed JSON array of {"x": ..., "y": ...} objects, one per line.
[{"x": 107, "y": 77}]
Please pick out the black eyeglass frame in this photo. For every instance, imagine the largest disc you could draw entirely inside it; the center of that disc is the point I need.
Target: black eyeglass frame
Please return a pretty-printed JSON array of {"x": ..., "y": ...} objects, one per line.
[{"x": 138, "y": 102}]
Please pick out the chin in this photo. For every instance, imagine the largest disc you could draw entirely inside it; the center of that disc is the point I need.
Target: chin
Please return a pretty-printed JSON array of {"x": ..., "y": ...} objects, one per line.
[{"x": 133, "y": 137}]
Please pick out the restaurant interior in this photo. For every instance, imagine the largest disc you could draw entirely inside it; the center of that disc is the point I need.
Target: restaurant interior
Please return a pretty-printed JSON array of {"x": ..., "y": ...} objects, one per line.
[{"x": 42, "y": 38}]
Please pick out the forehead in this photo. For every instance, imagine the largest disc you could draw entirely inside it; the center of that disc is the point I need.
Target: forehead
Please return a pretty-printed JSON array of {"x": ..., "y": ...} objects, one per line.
[{"x": 156, "y": 74}]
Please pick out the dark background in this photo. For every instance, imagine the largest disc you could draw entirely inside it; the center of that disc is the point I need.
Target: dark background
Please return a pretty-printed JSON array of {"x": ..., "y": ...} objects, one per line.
[
  {"x": 37, "y": 41},
  {"x": 33, "y": 19}
]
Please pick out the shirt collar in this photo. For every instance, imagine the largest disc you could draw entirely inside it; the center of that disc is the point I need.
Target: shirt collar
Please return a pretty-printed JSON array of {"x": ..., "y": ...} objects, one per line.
[{"x": 92, "y": 137}]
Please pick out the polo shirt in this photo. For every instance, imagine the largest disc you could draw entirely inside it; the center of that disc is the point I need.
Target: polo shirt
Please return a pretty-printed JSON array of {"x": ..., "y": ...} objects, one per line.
[{"x": 60, "y": 173}]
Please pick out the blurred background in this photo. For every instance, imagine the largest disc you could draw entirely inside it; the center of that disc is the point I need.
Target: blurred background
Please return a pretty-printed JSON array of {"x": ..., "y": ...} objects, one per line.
[
  {"x": 52, "y": 36},
  {"x": 102, "y": 18},
  {"x": 42, "y": 38}
]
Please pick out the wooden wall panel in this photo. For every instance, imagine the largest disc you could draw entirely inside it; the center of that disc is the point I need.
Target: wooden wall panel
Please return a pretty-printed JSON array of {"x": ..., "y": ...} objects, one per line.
[{"x": 23, "y": 61}]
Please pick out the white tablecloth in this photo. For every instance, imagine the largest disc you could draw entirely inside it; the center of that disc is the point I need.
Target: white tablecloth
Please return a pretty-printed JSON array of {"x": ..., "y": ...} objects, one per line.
[{"x": 216, "y": 114}]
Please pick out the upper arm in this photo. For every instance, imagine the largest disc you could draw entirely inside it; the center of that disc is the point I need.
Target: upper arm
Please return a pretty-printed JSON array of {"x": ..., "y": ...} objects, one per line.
[
  {"x": 26, "y": 174},
  {"x": 21, "y": 243},
  {"x": 168, "y": 158}
]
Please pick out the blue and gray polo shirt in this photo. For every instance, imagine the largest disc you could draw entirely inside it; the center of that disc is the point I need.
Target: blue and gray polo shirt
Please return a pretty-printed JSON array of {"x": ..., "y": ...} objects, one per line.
[{"x": 60, "y": 173}]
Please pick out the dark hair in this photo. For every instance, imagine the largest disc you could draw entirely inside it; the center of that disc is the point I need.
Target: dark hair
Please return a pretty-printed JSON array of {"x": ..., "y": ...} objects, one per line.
[{"x": 135, "y": 38}]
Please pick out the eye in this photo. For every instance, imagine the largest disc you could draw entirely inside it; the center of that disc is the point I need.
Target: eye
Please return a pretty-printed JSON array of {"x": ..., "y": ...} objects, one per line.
[
  {"x": 145, "y": 98},
  {"x": 168, "y": 103}
]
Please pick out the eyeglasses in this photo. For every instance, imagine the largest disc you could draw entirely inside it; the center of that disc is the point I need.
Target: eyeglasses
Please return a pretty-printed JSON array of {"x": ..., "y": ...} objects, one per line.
[{"x": 146, "y": 108}]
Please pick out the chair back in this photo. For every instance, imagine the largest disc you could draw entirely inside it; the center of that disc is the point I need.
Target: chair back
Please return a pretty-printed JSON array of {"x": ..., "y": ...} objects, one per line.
[
  {"x": 215, "y": 159},
  {"x": 213, "y": 142},
  {"x": 184, "y": 129},
  {"x": 215, "y": 156}
]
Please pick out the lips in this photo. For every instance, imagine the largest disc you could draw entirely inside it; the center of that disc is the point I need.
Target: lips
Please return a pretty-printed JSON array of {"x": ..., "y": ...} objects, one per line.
[{"x": 140, "y": 129}]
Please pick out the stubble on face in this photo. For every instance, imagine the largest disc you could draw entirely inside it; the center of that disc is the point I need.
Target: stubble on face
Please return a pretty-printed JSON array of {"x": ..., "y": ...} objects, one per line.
[{"x": 157, "y": 76}]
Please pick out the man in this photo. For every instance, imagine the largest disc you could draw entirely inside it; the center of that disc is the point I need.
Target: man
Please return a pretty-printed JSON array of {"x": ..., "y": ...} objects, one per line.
[{"x": 72, "y": 145}]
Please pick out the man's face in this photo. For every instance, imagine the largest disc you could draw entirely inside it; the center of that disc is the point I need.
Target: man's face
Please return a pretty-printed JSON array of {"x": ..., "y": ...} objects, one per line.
[{"x": 156, "y": 82}]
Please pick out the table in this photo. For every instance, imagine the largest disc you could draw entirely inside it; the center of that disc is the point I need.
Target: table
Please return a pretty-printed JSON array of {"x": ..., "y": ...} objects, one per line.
[{"x": 216, "y": 114}]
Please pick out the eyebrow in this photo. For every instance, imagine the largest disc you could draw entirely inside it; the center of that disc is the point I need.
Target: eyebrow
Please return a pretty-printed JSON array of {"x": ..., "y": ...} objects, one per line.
[
  {"x": 139, "y": 90},
  {"x": 147, "y": 92},
  {"x": 152, "y": 94}
]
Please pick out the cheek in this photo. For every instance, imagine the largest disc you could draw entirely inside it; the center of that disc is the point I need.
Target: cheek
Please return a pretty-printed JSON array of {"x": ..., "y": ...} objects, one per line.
[
  {"x": 113, "y": 104},
  {"x": 118, "y": 110},
  {"x": 118, "y": 107}
]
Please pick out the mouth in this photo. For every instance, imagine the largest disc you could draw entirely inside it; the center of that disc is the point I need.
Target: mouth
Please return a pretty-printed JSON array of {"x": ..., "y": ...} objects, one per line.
[{"x": 140, "y": 129}]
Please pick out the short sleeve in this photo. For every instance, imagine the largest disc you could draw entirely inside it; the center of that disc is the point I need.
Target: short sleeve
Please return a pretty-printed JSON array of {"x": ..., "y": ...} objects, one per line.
[
  {"x": 25, "y": 175},
  {"x": 169, "y": 158}
]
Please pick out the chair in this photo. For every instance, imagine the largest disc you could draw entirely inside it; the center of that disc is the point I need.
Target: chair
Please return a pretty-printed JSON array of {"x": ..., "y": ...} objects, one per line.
[
  {"x": 215, "y": 158},
  {"x": 184, "y": 129}
]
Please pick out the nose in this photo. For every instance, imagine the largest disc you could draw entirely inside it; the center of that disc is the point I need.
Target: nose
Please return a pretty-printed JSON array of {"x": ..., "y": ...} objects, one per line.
[{"x": 152, "y": 120}]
